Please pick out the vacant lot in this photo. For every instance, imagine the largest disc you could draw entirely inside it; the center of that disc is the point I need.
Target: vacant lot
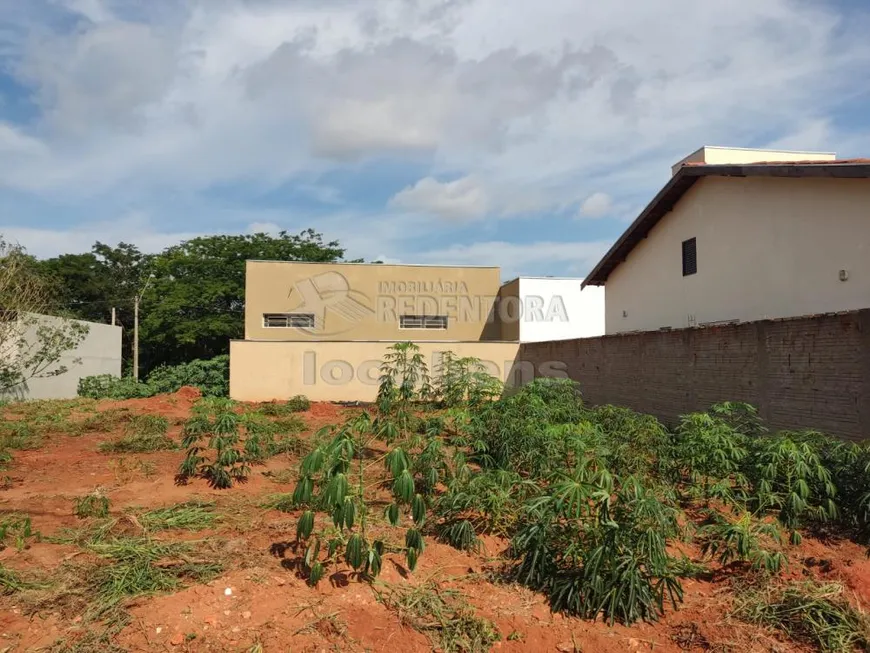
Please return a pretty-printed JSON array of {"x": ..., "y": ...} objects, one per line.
[{"x": 105, "y": 548}]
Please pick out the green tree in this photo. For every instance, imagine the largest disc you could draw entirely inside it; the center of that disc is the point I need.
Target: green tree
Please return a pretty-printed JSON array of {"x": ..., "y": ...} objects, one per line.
[
  {"x": 195, "y": 303},
  {"x": 88, "y": 286},
  {"x": 30, "y": 347}
]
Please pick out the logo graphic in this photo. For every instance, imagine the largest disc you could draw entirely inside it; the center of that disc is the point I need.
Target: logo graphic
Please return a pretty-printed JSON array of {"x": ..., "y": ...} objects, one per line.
[{"x": 330, "y": 291}]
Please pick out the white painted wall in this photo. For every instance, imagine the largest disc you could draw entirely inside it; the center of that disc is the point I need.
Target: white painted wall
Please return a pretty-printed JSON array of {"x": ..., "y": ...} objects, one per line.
[
  {"x": 98, "y": 353},
  {"x": 767, "y": 248},
  {"x": 713, "y": 155},
  {"x": 557, "y": 309}
]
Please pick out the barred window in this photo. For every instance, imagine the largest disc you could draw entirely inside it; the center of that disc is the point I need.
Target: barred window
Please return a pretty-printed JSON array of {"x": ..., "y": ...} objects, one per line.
[
  {"x": 422, "y": 321},
  {"x": 289, "y": 320}
]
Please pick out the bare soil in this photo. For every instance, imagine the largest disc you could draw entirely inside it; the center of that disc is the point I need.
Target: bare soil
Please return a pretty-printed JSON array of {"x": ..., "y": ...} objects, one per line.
[{"x": 261, "y": 600}]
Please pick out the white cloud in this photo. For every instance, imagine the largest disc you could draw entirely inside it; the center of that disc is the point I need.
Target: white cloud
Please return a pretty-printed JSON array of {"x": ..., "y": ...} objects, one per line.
[
  {"x": 132, "y": 228},
  {"x": 522, "y": 258},
  {"x": 461, "y": 199},
  {"x": 566, "y": 100},
  {"x": 596, "y": 205}
]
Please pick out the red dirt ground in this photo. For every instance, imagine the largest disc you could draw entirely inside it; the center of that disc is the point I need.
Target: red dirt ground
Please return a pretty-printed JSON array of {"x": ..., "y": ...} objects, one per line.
[{"x": 270, "y": 605}]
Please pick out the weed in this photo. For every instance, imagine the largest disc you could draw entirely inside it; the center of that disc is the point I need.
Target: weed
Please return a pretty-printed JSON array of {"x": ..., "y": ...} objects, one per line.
[
  {"x": 442, "y": 615},
  {"x": 138, "y": 566},
  {"x": 808, "y": 612},
  {"x": 143, "y": 434},
  {"x": 95, "y": 504},
  {"x": 297, "y": 404},
  {"x": 105, "y": 421},
  {"x": 191, "y": 516},
  {"x": 284, "y": 502},
  {"x": 17, "y": 528},
  {"x": 281, "y": 476},
  {"x": 10, "y": 581}
]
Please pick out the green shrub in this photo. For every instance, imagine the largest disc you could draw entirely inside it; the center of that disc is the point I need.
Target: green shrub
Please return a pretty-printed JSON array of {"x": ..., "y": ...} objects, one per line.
[
  {"x": 211, "y": 376},
  {"x": 106, "y": 386}
]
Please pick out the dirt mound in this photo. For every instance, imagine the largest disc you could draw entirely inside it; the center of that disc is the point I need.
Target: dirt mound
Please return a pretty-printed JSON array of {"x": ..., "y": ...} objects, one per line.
[{"x": 189, "y": 393}]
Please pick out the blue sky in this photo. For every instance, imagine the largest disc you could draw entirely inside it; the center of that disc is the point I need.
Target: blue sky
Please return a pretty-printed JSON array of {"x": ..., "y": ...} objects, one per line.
[{"x": 499, "y": 132}]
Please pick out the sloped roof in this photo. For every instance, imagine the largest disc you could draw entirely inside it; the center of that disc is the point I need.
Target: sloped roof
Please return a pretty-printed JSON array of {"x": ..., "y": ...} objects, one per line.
[{"x": 686, "y": 177}]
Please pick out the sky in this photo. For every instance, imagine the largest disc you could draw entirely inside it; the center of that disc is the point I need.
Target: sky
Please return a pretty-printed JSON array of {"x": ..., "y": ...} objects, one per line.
[{"x": 494, "y": 132}]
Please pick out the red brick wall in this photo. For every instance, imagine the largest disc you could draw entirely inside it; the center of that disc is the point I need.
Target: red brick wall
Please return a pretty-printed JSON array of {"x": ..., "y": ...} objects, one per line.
[{"x": 809, "y": 372}]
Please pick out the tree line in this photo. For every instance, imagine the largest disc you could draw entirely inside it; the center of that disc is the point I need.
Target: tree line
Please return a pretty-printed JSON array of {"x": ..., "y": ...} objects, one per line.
[{"x": 192, "y": 295}]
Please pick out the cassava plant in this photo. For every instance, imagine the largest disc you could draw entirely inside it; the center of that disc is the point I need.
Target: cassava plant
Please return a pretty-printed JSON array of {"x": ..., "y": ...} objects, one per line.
[
  {"x": 235, "y": 442},
  {"x": 336, "y": 479},
  {"x": 598, "y": 546},
  {"x": 744, "y": 539},
  {"x": 709, "y": 455},
  {"x": 463, "y": 382},
  {"x": 787, "y": 476},
  {"x": 404, "y": 382}
]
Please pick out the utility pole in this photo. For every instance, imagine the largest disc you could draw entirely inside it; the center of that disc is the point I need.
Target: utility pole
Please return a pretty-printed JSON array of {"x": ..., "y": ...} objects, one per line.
[
  {"x": 136, "y": 327},
  {"x": 136, "y": 338}
]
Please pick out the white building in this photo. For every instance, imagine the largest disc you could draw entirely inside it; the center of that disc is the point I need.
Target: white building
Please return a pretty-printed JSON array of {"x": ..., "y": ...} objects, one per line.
[
  {"x": 740, "y": 235},
  {"x": 536, "y": 309},
  {"x": 99, "y": 352}
]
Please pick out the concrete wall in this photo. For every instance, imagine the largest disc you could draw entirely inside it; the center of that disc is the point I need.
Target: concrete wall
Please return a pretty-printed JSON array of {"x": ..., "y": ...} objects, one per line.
[
  {"x": 767, "y": 248},
  {"x": 801, "y": 373},
  {"x": 98, "y": 353},
  {"x": 363, "y": 301},
  {"x": 340, "y": 371},
  {"x": 558, "y": 309}
]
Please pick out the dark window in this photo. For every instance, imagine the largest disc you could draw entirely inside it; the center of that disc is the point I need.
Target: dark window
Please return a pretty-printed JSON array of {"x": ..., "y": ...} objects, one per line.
[
  {"x": 690, "y": 257},
  {"x": 422, "y": 321},
  {"x": 285, "y": 320}
]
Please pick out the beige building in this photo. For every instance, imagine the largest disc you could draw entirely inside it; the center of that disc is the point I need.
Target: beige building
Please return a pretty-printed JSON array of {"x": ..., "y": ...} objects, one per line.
[
  {"x": 742, "y": 235},
  {"x": 322, "y": 329},
  {"x": 290, "y": 300}
]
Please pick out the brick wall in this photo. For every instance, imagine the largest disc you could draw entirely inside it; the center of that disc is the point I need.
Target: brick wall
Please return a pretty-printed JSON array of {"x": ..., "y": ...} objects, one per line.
[{"x": 809, "y": 372}]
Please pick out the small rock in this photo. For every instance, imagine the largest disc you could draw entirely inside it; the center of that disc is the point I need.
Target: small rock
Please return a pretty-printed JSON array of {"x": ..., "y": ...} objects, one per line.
[
  {"x": 228, "y": 591},
  {"x": 236, "y": 629},
  {"x": 246, "y": 614},
  {"x": 227, "y": 612},
  {"x": 279, "y": 580},
  {"x": 159, "y": 630},
  {"x": 177, "y": 639},
  {"x": 211, "y": 620}
]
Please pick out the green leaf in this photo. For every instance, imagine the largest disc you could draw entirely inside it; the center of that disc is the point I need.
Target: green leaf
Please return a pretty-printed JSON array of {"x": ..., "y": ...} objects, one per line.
[
  {"x": 392, "y": 514},
  {"x": 305, "y": 525},
  {"x": 411, "y": 555},
  {"x": 349, "y": 512},
  {"x": 418, "y": 510},
  {"x": 315, "y": 574},
  {"x": 354, "y": 552},
  {"x": 403, "y": 487}
]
